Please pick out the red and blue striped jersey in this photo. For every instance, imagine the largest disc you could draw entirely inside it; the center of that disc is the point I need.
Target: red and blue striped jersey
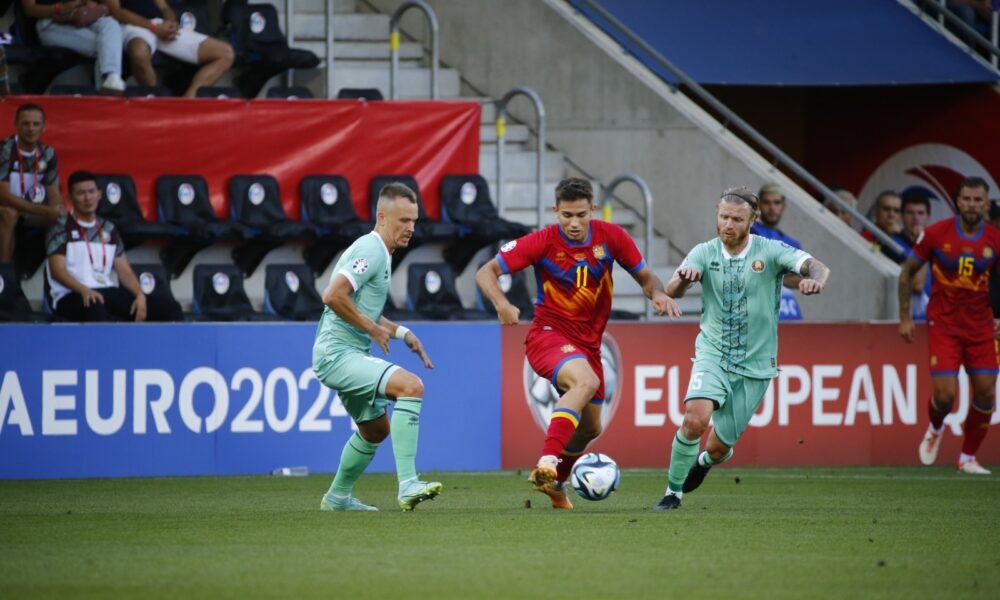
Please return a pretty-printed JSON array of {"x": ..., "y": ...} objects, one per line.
[{"x": 574, "y": 278}]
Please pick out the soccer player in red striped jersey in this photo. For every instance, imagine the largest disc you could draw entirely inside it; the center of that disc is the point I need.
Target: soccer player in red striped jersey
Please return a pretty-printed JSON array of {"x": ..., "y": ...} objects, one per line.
[
  {"x": 573, "y": 260},
  {"x": 961, "y": 324}
]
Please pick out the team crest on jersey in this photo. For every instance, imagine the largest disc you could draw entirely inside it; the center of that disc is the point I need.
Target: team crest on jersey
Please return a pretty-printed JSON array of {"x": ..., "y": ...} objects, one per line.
[
  {"x": 933, "y": 360},
  {"x": 987, "y": 252},
  {"x": 360, "y": 266},
  {"x": 946, "y": 247},
  {"x": 567, "y": 348},
  {"x": 508, "y": 246},
  {"x": 757, "y": 266},
  {"x": 600, "y": 252}
]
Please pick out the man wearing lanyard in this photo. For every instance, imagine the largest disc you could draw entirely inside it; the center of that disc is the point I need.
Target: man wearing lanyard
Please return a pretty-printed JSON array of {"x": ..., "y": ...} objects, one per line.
[
  {"x": 29, "y": 178},
  {"x": 83, "y": 251}
]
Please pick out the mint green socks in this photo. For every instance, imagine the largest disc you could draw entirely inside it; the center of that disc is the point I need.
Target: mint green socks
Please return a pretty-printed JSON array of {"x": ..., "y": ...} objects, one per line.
[
  {"x": 404, "y": 427},
  {"x": 682, "y": 455},
  {"x": 354, "y": 459}
]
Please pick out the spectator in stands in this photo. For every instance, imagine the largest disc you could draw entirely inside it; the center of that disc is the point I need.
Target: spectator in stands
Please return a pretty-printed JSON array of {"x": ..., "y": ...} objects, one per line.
[
  {"x": 29, "y": 179},
  {"x": 838, "y": 210},
  {"x": 772, "y": 206},
  {"x": 101, "y": 39},
  {"x": 886, "y": 214},
  {"x": 84, "y": 250},
  {"x": 916, "y": 214},
  {"x": 149, "y": 26}
]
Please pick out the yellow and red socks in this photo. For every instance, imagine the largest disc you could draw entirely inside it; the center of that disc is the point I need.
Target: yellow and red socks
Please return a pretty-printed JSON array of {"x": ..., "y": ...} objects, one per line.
[
  {"x": 567, "y": 460},
  {"x": 404, "y": 425},
  {"x": 354, "y": 459},
  {"x": 977, "y": 423},
  {"x": 683, "y": 453},
  {"x": 561, "y": 427}
]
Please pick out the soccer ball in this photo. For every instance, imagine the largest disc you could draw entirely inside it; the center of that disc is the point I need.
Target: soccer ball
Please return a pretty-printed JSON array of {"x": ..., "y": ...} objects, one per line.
[{"x": 595, "y": 476}]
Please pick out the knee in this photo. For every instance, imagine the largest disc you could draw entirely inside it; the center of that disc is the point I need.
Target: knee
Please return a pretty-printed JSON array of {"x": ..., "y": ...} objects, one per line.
[
  {"x": 944, "y": 400},
  {"x": 139, "y": 52},
  {"x": 411, "y": 387},
  {"x": 693, "y": 426},
  {"x": 226, "y": 55},
  {"x": 375, "y": 433},
  {"x": 587, "y": 384},
  {"x": 8, "y": 218}
]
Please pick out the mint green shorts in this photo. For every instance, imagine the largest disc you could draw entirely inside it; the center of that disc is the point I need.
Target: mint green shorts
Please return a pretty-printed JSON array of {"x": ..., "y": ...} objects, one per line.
[
  {"x": 736, "y": 397},
  {"x": 360, "y": 380}
]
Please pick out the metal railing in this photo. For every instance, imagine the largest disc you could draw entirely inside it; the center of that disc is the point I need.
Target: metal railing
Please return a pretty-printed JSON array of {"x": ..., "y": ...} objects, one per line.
[
  {"x": 290, "y": 38},
  {"x": 501, "y": 128},
  {"x": 744, "y": 127},
  {"x": 647, "y": 198},
  {"x": 972, "y": 38},
  {"x": 432, "y": 23}
]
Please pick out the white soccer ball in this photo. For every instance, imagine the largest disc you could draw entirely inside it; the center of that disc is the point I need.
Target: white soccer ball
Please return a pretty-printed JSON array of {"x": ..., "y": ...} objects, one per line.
[{"x": 595, "y": 476}]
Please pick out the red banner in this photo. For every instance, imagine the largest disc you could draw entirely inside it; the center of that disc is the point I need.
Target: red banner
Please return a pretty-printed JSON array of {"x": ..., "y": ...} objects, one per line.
[
  {"x": 916, "y": 139},
  {"x": 847, "y": 394},
  {"x": 149, "y": 137}
]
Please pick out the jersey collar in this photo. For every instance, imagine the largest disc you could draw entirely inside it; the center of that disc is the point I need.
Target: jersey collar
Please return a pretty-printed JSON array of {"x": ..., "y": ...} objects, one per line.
[
  {"x": 961, "y": 233},
  {"x": 585, "y": 242},
  {"x": 743, "y": 253},
  {"x": 382, "y": 243}
]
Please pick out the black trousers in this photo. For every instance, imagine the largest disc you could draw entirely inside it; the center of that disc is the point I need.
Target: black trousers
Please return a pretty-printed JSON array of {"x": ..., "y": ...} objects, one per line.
[{"x": 116, "y": 306}]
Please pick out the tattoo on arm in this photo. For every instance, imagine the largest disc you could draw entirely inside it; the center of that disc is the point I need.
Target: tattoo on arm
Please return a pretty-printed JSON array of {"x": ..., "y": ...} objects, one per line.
[
  {"x": 815, "y": 270},
  {"x": 905, "y": 286}
]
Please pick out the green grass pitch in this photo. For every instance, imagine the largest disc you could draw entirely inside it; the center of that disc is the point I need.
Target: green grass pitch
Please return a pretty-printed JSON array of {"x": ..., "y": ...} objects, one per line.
[{"x": 747, "y": 533}]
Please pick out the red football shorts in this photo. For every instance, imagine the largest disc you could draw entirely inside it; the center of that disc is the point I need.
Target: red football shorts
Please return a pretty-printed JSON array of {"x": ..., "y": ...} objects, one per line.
[
  {"x": 949, "y": 351},
  {"x": 548, "y": 350}
]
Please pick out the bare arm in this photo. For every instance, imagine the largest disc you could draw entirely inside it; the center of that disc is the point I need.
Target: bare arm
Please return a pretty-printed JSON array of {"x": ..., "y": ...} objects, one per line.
[
  {"x": 338, "y": 297},
  {"x": 488, "y": 280},
  {"x": 681, "y": 281},
  {"x": 131, "y": 283},
  {"x": 42, "y": 11},
  {"x": 652, "y": 287},
  {"x": 50, "y": 210},
  {"x": 814, "y": 275},
  {"x": 904, "y": 290},
  {"x": 409, "y": 338}
]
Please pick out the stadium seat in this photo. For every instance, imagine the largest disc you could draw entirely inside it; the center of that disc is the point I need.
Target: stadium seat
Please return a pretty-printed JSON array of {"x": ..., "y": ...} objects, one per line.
[
  {"x": 183, "y": 200},
  {"x": 176, "y": 74},
  {"x": 219, "y": 294},
  {"x": 294, "y": 92},
  {"x": 255, "y": 201},
  {"x": 398, "y": 315},
  {"x": 465, "y": 201},
  {"x": 148, "y": 91},
  {"x": 120, "y": 205},
  {"x": 222, "y": 92},
  {"x": 290, "y": 292},
  {"x": 14, "y": 305},
  {"x": 260, "y": 46},
  {"x": 359, "y": 94},
  {"x": 155, "y": 283},
  {"x": 432, "y": 294},
  {"x": 66, "y": 89},
  {"x": 426, "y": 231},
  {"x": 515, "y": 287},
  {"x": 327, "y": 204}
]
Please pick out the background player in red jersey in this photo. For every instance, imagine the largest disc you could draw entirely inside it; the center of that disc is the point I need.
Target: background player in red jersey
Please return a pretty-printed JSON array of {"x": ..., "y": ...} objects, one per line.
[
  {"x": 961, "y": 329},
  {"x": 573, "y": 261}
]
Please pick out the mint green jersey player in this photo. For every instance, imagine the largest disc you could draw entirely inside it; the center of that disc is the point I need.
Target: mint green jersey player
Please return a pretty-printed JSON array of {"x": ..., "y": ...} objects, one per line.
[
  {"x": 736, "y": 352},
  {"x": 366, "y": 384},
  {"x": 741, "y": 298},
  {"x": 367, "y": 265}
]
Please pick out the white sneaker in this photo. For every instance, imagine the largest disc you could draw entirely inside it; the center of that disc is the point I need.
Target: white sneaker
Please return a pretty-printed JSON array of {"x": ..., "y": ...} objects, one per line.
[
  {"x": 113, "y": 85},
  {"x": 972, "y": 467},
  {"x": 929, "y": 446}
]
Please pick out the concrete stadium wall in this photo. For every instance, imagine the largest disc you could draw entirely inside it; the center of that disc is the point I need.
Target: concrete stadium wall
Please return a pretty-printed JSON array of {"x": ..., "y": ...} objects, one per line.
[{"x": 609, "y": 120}]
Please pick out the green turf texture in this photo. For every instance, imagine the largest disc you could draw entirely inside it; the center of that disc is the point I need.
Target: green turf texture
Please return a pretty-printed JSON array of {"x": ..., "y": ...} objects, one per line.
[{"x": 747, "y": 533}]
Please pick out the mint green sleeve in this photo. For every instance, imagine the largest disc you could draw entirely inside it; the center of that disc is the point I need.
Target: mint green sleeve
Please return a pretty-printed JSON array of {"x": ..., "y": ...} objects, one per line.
[
  {"x": 362, "y": 261},
  {"x": 787, "y": 259},
  {"x": 696, "y": 258}
]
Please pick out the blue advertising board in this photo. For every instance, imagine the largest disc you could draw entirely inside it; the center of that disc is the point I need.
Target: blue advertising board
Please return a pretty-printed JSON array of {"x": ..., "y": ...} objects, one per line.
[{"x": 117, "y": 400}]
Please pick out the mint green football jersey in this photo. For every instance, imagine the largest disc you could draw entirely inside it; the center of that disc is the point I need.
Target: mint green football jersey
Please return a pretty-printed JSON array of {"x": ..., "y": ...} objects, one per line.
[
  {"x": 741, "y": 297},
  {"x": 367, "y": 265}
]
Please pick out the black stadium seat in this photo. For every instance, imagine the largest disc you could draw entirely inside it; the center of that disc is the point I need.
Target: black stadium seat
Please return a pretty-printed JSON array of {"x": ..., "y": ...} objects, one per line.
[
  {"x": 326, "y": 203},
  {"x": 260, "y": 46},
  {"x": 290, "y": 292},
  {"x": 427, "y": 231},
  {"x": 223, "y": 91},
  {"x": 431, "y": 293},
  {"x": 294, "y": 92},
  {"x": 147, "y": 91},
  {"x": 515, "y": 287},
  {"x": 465, "y": 201},
  {"x": 255, "y": 201},
  {"x": 183, "y": 200},
  {"x": 359, "y": 94},
  {"x": 219, "y": 294},
  {"x": 155, "y": 284},
  {"x": 14, "y": 305},
  {"x": 120, "y": 205},
  {"x": 66, "y": 89}
]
